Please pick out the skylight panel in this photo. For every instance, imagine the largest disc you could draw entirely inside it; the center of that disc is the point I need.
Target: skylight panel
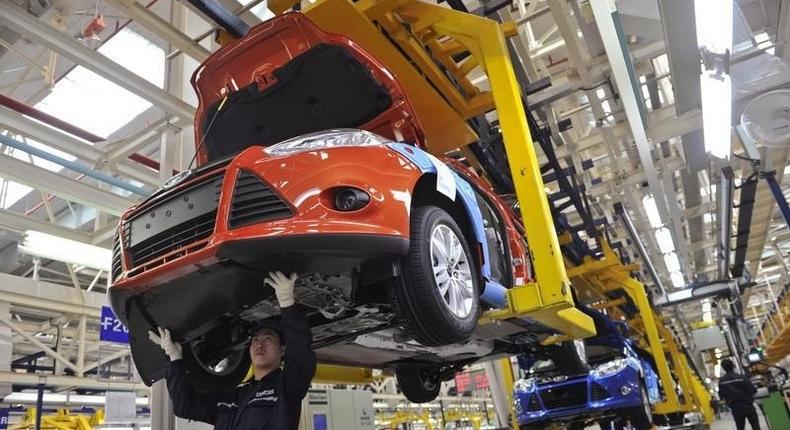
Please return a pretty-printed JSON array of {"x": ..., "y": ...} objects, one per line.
[
  {"x": 95, "y": 104},
  {"x": 260, "y": 10}
]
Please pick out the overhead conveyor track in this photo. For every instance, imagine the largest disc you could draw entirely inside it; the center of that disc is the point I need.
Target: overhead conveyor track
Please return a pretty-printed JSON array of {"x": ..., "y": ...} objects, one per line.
[
  {"x": 445, "y": 46},
  {"x": 432, "y": 38}
]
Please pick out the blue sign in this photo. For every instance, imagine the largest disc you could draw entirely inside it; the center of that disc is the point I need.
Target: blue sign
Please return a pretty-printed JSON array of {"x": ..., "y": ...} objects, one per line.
[
  {"x": 112, "y": 329},
  {"x": 4, "y": 419}
]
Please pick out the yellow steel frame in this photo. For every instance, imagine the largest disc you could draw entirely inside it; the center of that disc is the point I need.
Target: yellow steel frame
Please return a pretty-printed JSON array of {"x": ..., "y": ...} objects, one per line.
[
  {"x": 775, "y": 332},
  {"x": 609, "y": 274},
  {"x": 430, "y": 37},
  {"x": 63, "y": 419},
  {"x": 427, "y": 34}
]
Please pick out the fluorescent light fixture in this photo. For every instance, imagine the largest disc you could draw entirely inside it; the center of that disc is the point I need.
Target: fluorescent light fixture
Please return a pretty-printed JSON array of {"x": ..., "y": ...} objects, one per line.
[
  {"x": 677, "y": 279},
  {"x": 672, "y": 262},
  {"x": 714, "y": 24},
  {"x": 56, "y": 248},
  {"x": 30, "y": 397},
  {"x": 664, "y": 239},
  {"x": 714, "y": 21},
  {"x": 716, "y": 90},
  {"x": 649, "y": 202}
]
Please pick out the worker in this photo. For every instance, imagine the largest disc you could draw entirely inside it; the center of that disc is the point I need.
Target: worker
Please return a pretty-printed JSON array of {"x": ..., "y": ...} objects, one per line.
[
  {"x": 283, "y": 365},
  {"x": 738, "y": 392}
]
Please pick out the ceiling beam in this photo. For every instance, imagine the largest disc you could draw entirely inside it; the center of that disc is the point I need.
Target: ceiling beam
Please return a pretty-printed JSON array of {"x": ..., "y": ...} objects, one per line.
[
  {"x": 158, "y": 26},
  {"x": 36, "y": 294},
  {"x": 62, "y": 186},
  {"x": 606, "y": 16},
  {"x": 39, "y": 132},
  {"x": 21, "y": 223},
  {"x": 19, "y": 20}
]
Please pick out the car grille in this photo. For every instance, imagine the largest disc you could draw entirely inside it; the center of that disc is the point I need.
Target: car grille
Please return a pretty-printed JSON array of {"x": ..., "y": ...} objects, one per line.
[
  {"x": 254, "y": 202},
  {"x": 599, "y": 392},
  {"x": 116, "y": 256},
  {"x": 534, "y": 404},
  {"x": 565, "y": 396},
  {"x": 185, "y": 230}
]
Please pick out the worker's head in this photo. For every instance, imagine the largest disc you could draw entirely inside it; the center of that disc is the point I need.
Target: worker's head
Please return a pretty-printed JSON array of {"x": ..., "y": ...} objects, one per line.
[
  {"x": 267, "y": 346},
  {"x": 727, "y": 365}
]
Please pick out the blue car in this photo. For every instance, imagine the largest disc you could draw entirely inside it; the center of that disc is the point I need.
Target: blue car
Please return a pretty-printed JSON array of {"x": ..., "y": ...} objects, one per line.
[{"x": 619, "y": 384}]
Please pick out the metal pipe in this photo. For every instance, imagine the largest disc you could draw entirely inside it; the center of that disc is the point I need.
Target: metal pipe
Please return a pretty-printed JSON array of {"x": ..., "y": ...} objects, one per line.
[
  {"x": 640, "y": 247},
  {"x": 58, "y": 123},
  {"x": 87, "y": 171},
  {"x": 48, "y": 119},
  {"x": 39, "y": 405},
  {"x": 781, "y": 201},
  {"x": 725, "y": 221},
  {"x": 222, "y": 16}
]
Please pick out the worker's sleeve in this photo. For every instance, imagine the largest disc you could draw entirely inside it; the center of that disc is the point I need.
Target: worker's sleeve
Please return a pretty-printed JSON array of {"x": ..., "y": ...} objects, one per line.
[
  {"x": 749, "y": 386},
  {"x": 299, "y": 358},
  {"x": 187, "y": 402}
]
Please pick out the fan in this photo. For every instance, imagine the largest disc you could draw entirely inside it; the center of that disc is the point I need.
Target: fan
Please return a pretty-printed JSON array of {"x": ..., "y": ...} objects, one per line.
[{"x": 766, "y": 118}]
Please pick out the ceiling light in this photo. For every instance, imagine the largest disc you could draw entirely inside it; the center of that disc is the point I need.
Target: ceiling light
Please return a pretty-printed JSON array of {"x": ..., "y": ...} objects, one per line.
[
  {"x": 716, "y": 91},
  {"x": 652, "y": 211},
  {"x": 714, "y": 38},
  {"x": 56, "y": 248},
  {"x": 664, "y": 239},
  {"x": 672, "y": 262},
  {"x": 677, "y": 279}
]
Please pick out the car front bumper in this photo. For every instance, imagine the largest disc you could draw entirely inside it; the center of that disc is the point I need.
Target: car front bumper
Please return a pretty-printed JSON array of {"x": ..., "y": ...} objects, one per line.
[{"x": 585, "y": 396}]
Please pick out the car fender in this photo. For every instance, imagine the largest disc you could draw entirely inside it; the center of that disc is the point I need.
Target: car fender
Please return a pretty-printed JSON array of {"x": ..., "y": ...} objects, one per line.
[{"x": 461, "y": 191}]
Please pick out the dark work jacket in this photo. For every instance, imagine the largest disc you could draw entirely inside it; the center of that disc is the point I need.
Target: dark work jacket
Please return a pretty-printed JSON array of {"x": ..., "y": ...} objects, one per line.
[
  {"x": 736, "y": 390},
  {"x": 274, "y": 402}
]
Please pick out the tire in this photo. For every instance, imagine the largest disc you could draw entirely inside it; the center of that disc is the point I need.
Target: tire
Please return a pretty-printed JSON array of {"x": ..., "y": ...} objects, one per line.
[
  {"x": 212, "y": 380},
  {"x": 432, "y": 317},
  {"x": 641, "y": 416},
  {"x": 419, "y": 384}
]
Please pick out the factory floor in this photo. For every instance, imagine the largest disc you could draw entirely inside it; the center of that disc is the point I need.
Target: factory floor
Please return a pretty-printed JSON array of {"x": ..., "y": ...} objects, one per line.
[{"x": 725, "y": 422}]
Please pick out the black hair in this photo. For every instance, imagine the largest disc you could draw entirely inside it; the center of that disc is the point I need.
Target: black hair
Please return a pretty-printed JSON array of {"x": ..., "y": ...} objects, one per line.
[{"x": 727, "y": 365}]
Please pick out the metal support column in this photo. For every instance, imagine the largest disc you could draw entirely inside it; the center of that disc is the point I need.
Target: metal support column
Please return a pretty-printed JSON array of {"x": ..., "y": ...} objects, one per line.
[
  {"x": 776, "y": 190},
  {"x": 162, "y": 417},
  {"x": 39, "y": 405}
]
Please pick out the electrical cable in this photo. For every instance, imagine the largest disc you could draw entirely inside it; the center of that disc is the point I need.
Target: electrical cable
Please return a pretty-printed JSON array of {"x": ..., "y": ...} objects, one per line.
[{"x": 203, "y": 138}]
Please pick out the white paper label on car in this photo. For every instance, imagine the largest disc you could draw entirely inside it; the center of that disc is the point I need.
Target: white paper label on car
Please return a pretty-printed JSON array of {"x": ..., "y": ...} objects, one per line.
[{"x": 445, "y": 182}]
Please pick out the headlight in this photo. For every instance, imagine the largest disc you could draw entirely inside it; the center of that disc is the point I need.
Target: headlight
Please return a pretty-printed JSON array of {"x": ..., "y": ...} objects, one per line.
[
  {"x": 610, "y": 368},
  {"x": 326, "y": 139},
  {"x": 523, "y": 385}
]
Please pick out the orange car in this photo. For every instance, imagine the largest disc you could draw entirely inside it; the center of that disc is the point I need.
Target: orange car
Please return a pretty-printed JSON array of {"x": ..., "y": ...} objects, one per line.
[{"x": 310, "y": 161}]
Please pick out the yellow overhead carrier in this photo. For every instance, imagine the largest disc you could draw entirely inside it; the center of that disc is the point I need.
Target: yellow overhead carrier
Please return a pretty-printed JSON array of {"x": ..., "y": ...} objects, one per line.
[
  {"x": 419, "y": 39},
  {"x": 596, "y": 278}
]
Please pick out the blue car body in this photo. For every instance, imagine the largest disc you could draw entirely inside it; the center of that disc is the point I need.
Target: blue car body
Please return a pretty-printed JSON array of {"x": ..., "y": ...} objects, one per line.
[{"x": 601, "y": 392}]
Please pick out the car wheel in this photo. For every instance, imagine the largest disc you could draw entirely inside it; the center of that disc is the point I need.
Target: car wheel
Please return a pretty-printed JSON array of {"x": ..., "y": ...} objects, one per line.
[
  {"x": 419, "y": 384},
  {"x": 437, "y": 297},
  {"x": 215, "y": 371},
  {"x": 642, "y": 416}
]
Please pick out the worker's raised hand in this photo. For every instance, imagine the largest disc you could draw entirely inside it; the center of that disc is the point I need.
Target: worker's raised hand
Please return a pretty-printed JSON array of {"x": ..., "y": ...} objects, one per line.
[
  {"x": 283, "y": 287},
  {"x": 172, "y": 349}
]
